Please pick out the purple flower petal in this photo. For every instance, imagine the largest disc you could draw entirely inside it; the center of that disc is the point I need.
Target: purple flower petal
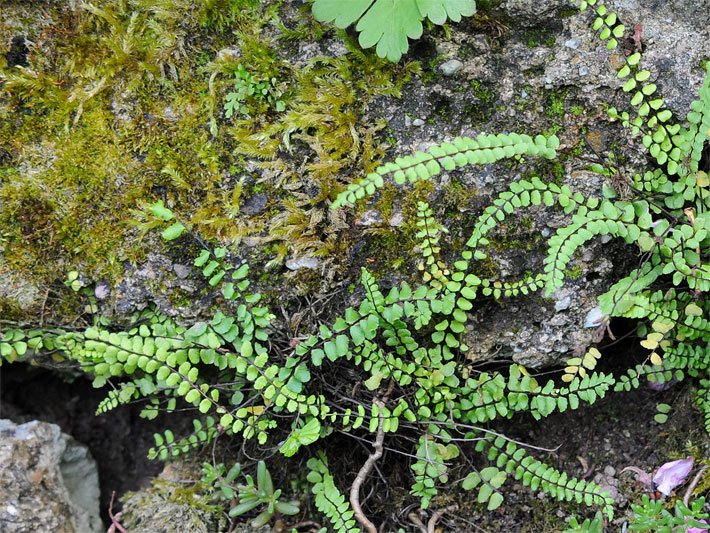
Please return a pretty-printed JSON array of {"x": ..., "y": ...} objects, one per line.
[
  {"x": 672, "y": 474},
  {"x": 697, "y": 529}
]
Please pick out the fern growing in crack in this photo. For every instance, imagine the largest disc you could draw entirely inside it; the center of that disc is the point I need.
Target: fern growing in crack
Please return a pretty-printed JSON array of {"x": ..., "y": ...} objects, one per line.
[{"x": 406, "y": 344}]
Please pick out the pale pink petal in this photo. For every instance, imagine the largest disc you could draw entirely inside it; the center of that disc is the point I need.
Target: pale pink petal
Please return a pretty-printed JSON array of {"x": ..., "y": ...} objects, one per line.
[
  {"x": 672, "y": 474},
  {"x": 697, "y": 529}
]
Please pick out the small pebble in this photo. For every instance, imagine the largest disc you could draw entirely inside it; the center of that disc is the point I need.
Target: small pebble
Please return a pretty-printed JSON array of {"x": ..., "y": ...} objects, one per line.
[
  {"x": 255, "y": 205},
  {"x": 563, "y": 303},
  {"x": 102, "y": 290},
  {"x": 418, "y": 122},
  {"x": 594, "y": 318},
  {"x": 451, "y": 67},
  {"x": 302, "y": 262},
  {"x": 397, "y": 219},
  {"x": 369, "y": 218},
  {"x": 609, "y": 471},
  {"x": 181, "y": 271}
]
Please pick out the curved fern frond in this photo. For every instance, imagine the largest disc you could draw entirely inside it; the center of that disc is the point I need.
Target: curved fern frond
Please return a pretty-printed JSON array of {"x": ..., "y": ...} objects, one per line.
[{"x": 460, "y": 152}]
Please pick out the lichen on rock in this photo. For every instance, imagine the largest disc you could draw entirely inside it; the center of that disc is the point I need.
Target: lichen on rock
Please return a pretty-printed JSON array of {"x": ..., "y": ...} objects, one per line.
[{"x": 48, "y": 481}]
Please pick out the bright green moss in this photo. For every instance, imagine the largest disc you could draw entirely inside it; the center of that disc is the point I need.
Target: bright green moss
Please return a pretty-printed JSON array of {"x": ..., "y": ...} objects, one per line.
[
  {"x": 539, "y": 36},
  {"x": 481, "y": 109},
  {"x": 555, "y": 107}
]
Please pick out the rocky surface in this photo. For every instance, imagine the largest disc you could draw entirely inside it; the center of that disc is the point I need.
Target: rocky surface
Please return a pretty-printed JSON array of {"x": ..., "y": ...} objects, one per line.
[
  {"x": 530, "y": 66},
  {"x": 48, "y": 481},
  {"x": 548, "y": 72},
  {"x": 170, "y": 504}
]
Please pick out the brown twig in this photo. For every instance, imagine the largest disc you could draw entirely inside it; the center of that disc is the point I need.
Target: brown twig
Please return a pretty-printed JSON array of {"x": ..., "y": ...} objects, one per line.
[
  {"x": 115, "y": 518},
  {"x": 44, "y": 303},
  {"x": 314, "y": 526},
  {"x": 369, "y": 464},
  {"x": 693, "y": 484},
  {"x": 586, "y": 469},
  {"x": 437, "y": 516},
  {"x": 414, "y": 519}
]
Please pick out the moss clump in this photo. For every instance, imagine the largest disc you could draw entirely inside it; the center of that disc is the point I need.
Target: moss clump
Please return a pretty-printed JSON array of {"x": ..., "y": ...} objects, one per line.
[
  {"x": 168, "y": 506},
  {"x": 539, "y": 36},
  {"x": 122, "y": 104},
  {"x": 556, "y": 104},
  {"x": 482, "y": 109}
]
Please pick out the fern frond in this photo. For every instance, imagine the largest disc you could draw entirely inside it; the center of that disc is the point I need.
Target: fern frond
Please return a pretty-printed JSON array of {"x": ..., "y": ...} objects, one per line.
[
  {"x": 166, "y": 446},
  {"x": 329, "y": 500},
  {"x": 538, "y": 475},
  {"x": 460, "y": 152}
]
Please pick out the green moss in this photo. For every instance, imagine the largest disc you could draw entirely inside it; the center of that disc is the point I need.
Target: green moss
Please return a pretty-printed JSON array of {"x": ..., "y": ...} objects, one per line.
[
  {"x": 567, "y": 11},
  {"x": 538, "y": 36},
  {"x": 431, "y": 72},
  {"x": 482, "y": 109},
  {"x": 11, "y": 311},
  {"x": 484, "y": 93},
  {"x": 555, "y": 105},
  {"x": 519, "y": 237},
  {"x": 574, "y": 272},
  {"x": 486, "y": 6},
  {"x": 155, "y": 129}
]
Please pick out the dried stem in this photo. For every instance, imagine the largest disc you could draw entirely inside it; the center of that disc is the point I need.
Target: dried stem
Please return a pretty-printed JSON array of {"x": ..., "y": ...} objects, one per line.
[
  {"x": 115, "y": 518},
  {"x": 693, "y": 484},
  {"x": 437, "y": 516},
  {"x": 414, "y": 519},
  {"x": 369, "y": 464}
]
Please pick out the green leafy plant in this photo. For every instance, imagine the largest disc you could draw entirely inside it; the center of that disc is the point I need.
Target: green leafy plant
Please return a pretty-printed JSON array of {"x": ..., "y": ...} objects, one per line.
[
  {"x": 328, "y": 498},
  {"x": 389, "y": 24},
  {"x": 249, "y": 495},
  {"x": 652, "y": 515},
  {"x": 250, "y": 93}
]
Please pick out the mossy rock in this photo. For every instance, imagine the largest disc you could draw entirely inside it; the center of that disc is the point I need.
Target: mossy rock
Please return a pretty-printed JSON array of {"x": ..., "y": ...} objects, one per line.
[{"x": 170, "y": 505}]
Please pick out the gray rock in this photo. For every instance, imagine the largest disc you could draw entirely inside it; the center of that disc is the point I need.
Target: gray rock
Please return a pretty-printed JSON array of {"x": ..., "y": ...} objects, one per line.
[
  {"x": 534, "y": 12},
  {"x": 232, "y": 54},
  {"x": 182, "y": 271},
  {"x": 169, "y": 114},
  {"x": 156, "y": 509},
  {"x": 563, "y": 303},
  {"x": 302, "y": 262},
  {"x": 102, "y": 290},
  {"x": 397, "y": 219},
  {"x": 451, "y": 67},
  {"x": 48, "y": 481},
  {"x": 17, "y": 290},
  {"x": 594, "y": 318},
  {"x": 255, "y": 205},
  {"x": 515, "y": 84},
  {"x": 369, "y": 218}
]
